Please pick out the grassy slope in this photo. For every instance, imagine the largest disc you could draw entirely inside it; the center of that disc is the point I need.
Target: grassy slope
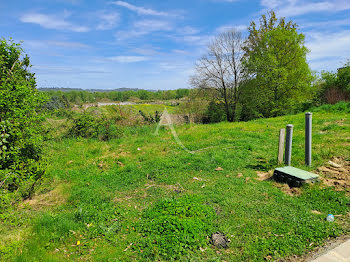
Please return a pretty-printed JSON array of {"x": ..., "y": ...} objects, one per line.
[{"x": 105, "y": 186}]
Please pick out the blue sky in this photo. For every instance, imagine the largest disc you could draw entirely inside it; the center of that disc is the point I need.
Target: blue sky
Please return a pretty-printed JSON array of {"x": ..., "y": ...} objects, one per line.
[{"x": 154, "y": 44}]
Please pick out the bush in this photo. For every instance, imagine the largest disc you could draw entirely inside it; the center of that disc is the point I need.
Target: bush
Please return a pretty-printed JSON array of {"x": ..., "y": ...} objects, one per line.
[
  {"x": 215, "y": 113},
  {"x": 150, "y": 118},
  {"x": 339, "y": 107},
  {"x": 174, "y": 227},
  {"x": 20, "y": 122},
  {"x": 88, "y": 126}
]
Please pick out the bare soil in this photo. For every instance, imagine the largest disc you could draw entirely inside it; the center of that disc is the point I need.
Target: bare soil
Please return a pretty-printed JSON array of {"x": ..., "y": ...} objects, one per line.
[{"x": 336, "y": 173}]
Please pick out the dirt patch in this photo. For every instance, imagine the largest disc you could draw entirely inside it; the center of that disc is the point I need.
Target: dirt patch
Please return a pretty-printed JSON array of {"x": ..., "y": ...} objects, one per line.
[
  {"x": 52, "y": 198},
  {"x": 336, "y": 173},
  {"x": 264, "y": 175},
  {"x": 291, "y": 191},
  {"x": 142, "y": 193}
]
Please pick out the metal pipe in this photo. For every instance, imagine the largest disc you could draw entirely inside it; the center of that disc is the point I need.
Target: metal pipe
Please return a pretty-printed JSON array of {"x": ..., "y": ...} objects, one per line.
[
  {"x": 288, "y": 151},
  {"x": 308, "y": 138}
]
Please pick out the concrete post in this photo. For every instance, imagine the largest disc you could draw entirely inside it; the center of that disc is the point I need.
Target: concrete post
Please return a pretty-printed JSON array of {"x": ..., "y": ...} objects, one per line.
[
  {"x": 308, "y": 138},
  {"x": 288, "y": 151},
  {"x": 281, "y": 145}
]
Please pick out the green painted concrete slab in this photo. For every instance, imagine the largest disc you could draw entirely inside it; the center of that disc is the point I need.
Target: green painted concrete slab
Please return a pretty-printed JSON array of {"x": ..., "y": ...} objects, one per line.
[
  {"x": 296, "y": 172},
  {"x": 294, "y": 177}
]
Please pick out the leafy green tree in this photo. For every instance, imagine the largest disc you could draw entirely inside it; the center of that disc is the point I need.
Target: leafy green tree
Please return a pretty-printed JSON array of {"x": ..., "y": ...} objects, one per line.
[
  {"x": 275, "y": 58},
  {"x": 20, "y": 129},
  {"x": 343, "y": 75},
  {"x": 334, "y": 87}
]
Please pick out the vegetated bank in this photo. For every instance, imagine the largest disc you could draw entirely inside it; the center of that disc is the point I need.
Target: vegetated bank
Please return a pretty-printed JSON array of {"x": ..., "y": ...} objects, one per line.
[{"x": 140, "y": 196}]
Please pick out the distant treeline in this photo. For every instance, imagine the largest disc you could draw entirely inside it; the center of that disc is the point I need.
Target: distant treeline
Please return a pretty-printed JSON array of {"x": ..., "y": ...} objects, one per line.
[{"x": 59, "y": 99}]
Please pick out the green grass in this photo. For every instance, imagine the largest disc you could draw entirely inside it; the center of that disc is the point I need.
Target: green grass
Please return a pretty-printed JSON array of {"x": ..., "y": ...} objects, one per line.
[{"x": 118, "y": 195}]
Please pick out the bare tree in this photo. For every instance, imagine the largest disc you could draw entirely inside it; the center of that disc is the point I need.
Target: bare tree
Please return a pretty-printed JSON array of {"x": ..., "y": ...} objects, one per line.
[{"x": 221, "y": 70}]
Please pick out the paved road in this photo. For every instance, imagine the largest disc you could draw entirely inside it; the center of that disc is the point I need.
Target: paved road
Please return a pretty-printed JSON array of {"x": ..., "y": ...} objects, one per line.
[{"x": 339, "y": 254}]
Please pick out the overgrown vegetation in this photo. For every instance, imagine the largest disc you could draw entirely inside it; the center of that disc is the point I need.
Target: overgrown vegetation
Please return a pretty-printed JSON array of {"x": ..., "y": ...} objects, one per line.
[
  {"x": 61, "y": 99},
  {"x": 334, "y": 87},
  {"x": 89, "y": 126},
  {"x": 174, "y": 227},
  {"x": 142, "y": 197},
  {"x": 20, "y": 125}
]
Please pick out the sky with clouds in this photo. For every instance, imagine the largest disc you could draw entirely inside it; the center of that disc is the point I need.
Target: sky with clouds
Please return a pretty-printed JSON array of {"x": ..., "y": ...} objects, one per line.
[{"x": 154, "y": 44}]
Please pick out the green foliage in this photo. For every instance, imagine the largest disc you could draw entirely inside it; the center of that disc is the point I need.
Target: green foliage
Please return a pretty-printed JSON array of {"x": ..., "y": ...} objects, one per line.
[
  {"x": 59, "y": 97},
  {"x": 334, "y": 87},
  {"x": 173, "y": 227},
  {"x": 344, "y": 77},
  {"x": 215, "y": 113},
  {"x": 150, "y": 118},
  {"x": 339, "y": 107},
  {"x": 275, "y": 57},
  {"x": 56, "y": 103},
  {"x": 87, "y": 125},
  {"x": 20, "y": 121}
]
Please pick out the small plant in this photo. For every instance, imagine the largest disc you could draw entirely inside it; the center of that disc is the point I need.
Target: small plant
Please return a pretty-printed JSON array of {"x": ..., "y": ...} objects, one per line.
[
  {"x": 150, "y": 118},
  {"x": 174, "y": 227}
]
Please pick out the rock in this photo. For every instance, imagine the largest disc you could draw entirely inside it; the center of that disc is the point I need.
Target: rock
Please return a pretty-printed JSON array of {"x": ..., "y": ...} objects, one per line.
[
  {"x": 334, "y": 164},
  {"x": 219, "y": 240}
]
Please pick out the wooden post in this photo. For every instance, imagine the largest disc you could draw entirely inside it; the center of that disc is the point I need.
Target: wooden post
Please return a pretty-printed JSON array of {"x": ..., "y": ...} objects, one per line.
[{"x": 281, "y": 145}]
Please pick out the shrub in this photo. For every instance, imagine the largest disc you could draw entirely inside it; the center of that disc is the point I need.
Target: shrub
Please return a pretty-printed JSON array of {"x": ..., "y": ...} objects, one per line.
[
  {"x": 339, "y": 107},
  {"x": 88, "y": 126},
  {"x": 20, "y": 122},
  {"x": 56, "y": 102},
  {"x": 150, "y": 118},
  {"x": 174, "y": 227},
  {"x": 84, "y": 125},
  {"x": 215, "y": 113}
]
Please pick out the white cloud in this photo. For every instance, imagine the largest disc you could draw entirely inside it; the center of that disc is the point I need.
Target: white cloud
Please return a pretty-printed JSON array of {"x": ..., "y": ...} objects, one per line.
[
  {"x": 328, "y": 50},
  {"x": 108, "y": 20},
  {"x": 225, "y": 28},
  {"x": 147, "y": 50},
  {"x": 188, "y": 30},
  {"x": 271, "y": 4},
  {"x": 326, "y": 24},
  {"x": 299, "y": 7},
  {"x": 181, "y": 52},
  {"x": 68, "y": 69},
  {"x": 231, "y": 1},
  {"x": 145, "y": 27},
  {"x": 153, "y": 25},
  {"x": 128, "y": 59},
  {"x": 67, "y": 44},
  {"x": 52, "y": 22},
  {"x": 140, "y": 10},
  {"x": 329, "y": 44}
]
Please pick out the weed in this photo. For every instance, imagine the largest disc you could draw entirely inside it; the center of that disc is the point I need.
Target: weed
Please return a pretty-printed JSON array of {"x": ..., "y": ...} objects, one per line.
[{"x": 173, "y": 227}]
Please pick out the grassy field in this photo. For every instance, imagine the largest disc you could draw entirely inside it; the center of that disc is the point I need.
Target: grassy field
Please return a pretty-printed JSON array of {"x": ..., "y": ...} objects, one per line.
[{"x": 142, "y": 197}]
